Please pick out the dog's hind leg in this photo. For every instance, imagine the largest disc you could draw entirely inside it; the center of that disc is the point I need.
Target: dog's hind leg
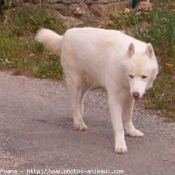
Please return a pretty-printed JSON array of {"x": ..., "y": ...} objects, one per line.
[
  {"x": 127, "y": 118},
  {"x": 77, "y": 89}
]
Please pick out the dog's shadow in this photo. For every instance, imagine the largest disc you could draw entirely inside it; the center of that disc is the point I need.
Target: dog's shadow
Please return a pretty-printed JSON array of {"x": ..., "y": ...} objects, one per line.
[{"x": 59, "y": 122}]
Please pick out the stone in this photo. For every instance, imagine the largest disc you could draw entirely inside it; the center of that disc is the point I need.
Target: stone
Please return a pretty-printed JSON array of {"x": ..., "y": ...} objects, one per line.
[
  {"x": 29, "y": 6},
  {"x": 69, "y": 22},
  {"x": 144, "y": 6},
  {"x": 127, "y": 10},
  {"x": 17, "y": 2},
  {"x": 60, "y": 7},
  {"x": 54, "y": 1},
  {"x": 71, "y": 1},
  {"x": 90, "y": 2},
  {"x": 78, "y": 9},
  {"x": 106, "y": 9},
  {"x": 32, "y": 1},
  {"x": 78, "y": 13}
]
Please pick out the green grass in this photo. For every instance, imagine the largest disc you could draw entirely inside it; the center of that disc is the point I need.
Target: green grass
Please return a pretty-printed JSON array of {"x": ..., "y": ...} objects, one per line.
[
  {"x": 50, "y": 68},
  {"x": 156, "y": 27},
  {"x": 19, "y": 51}
]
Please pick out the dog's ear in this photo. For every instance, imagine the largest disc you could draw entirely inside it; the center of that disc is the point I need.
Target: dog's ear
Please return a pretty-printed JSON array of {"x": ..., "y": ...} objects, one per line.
[
  {"x": 131, "y": 50},
  {"x": 150, "y": 51}
]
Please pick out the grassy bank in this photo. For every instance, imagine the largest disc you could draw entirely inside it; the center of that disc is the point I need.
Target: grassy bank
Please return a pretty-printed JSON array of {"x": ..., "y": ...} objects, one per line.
[{"x": 19, "y": 51}]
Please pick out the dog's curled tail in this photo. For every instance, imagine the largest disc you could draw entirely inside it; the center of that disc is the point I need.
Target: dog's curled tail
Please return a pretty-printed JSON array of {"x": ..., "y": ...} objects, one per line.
[{"x": 50, "y": 39}]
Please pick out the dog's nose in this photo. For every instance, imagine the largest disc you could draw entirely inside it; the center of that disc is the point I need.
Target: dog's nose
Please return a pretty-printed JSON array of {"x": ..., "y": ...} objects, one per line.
[{"x": 136, "y": 95}]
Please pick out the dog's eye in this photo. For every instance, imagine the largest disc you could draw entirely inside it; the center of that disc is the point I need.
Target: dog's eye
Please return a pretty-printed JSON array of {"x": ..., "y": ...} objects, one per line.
[
  {"x": 131, "y": 76},
  {"x": 144, "y": 76}
]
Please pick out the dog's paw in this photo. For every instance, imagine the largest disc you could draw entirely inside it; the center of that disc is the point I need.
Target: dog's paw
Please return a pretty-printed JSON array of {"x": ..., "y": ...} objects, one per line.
[
  {"x": 80, "y": 126},
  {"x": 121, "y": 148},
  {"x": 135, "y": 133}
]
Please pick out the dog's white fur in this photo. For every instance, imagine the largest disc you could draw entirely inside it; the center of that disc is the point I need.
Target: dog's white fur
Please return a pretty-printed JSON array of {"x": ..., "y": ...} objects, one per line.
[{"x": 124, "y": 66}]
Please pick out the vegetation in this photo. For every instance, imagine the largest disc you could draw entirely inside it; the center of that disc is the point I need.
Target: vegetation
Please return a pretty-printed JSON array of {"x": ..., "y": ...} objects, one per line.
[
  {"x": 18, "y": 49},
  {"x": 22, "y": 54},
  {"x": 156, "y": 27}
]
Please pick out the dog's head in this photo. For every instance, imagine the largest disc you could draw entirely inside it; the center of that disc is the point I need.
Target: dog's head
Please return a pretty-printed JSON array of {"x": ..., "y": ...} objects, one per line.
[{"x": 141, "y": 69}]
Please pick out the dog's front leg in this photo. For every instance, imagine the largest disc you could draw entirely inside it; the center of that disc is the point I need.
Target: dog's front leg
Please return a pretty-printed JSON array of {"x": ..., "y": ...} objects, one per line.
[
  {"x": 127, "y": 118},
  {"x": 115, "y": 106}
]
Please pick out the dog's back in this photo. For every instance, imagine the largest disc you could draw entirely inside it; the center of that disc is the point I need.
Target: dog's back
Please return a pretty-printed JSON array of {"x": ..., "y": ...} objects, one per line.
[{"x": 90, "y": 51}]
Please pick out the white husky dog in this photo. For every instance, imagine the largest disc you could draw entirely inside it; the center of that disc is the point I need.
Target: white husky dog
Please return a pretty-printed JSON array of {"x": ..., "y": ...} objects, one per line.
[{"x": 124, "y": 66}]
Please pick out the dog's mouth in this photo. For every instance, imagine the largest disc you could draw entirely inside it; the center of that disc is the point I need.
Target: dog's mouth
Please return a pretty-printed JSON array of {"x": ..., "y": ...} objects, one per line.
[{"x": 137, "y": 98}]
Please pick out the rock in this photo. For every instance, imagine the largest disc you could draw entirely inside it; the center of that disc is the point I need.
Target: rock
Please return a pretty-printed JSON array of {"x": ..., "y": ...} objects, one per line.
[
  {"x": 69, "y": 22},
  {"x": 29, "y": 6},
  {"x": 144, "y": 6},
  {"x": 64, "y": 1},
  {"x": 90, "y": 2},
  {"x": 126, "y": 11},
  {"x": 78, "y": 9},
  {"x": 32, "y": 1},
  {"x": 106, "y": 10},
  {"x": 21, "y": 2},
  {"x": 90, "y": 8},
  {"x": 17, "y": 2},
  {"x": 53, "y": 1},
  {"x": 71, "y": 1},
  {"x": 76, "y": 13}
]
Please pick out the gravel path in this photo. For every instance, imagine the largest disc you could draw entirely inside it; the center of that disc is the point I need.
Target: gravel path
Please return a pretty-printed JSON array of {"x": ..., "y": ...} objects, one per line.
[{"x": 37, "y": 135}]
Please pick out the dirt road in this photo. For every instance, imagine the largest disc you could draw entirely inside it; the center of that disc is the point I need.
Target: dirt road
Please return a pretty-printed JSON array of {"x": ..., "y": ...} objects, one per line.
[{"x": 37, "y": 135}]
